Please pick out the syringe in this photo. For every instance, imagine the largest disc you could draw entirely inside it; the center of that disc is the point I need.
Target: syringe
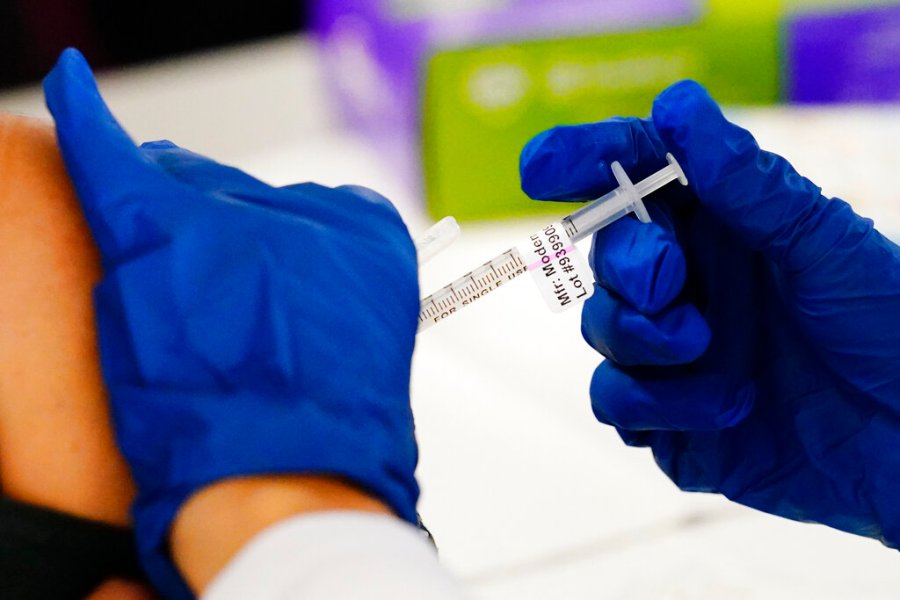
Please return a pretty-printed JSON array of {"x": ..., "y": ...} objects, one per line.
[{"x": 508, "y": 265}]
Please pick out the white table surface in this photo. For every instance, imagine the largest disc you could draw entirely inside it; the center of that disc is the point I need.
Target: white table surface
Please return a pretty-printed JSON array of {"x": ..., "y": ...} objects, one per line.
[{"x": 527, "y": 495}]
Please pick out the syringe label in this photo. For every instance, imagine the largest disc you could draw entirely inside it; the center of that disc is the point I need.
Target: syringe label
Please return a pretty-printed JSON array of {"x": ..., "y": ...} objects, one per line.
[
  {"x": 557, "y": 267},
  {"x": 540, "y": 263}
]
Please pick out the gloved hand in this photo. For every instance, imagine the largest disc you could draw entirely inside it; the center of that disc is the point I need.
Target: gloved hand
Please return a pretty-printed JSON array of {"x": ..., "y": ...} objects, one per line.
[
  {"x": 244, "y": 329},
  {"x": 752, "y": 331}
]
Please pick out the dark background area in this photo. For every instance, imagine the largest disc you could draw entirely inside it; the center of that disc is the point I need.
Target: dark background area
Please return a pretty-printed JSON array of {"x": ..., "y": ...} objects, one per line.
[{"x": 119, "y": 32}]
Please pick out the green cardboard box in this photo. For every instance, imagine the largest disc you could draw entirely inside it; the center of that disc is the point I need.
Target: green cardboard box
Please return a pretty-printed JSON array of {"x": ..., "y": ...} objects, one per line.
[{"x": 481, "y": 103}]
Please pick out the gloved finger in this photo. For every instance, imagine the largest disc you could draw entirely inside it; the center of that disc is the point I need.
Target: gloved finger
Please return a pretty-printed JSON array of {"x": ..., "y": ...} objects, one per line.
[
  {"x": 353, "y": 200},
  {"x": 370, "y": 196},
  {"x": 757, "y": 194},
  {"x": 103, "y": 163},
  {"x": 668, "y": 398},
  {"x": 367, "y": 194},
  {"x": 677, "y": 335},
  {"x": 211, "y": 177},
  {"x": 306, "y": 197},
  {"x": 299, "y": 187},
  {"x": 202, "y": 173},
  {"x": 641, "y": 262},
  {"x": 572, "y": 162}
]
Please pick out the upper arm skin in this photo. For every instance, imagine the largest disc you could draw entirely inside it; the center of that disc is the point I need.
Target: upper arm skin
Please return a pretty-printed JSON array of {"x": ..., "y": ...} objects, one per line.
[{"x": 56, "y": 442}]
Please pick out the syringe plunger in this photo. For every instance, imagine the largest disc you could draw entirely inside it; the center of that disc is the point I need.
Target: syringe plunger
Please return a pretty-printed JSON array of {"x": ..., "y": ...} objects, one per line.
[{"x": 625, "y": 199}]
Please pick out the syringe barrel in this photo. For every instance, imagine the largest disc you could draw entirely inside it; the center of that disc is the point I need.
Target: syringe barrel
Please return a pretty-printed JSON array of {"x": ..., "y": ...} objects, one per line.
[{"x": 597, "y": 215}]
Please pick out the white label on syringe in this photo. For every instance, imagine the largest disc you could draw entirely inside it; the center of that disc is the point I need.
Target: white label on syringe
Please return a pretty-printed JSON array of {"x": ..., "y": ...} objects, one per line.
[{"x": 557, "y": 267}]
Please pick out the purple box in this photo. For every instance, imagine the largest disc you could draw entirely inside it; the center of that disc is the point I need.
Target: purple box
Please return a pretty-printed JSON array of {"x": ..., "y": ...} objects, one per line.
[{"x": 851, "y": 55}]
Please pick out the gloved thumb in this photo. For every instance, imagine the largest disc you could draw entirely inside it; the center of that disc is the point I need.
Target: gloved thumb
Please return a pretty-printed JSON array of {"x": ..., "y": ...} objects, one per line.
[
  {"x": 103, "y": 163},
  {"x": 756, "y": 194}
]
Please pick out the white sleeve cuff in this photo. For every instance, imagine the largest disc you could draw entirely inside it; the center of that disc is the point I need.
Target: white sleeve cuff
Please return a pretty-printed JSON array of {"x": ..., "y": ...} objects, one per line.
[{"x": 336, "y": 556}]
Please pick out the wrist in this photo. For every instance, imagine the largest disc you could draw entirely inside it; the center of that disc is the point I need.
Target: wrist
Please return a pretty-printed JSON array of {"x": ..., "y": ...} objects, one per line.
[{"x": 217, "y": 521}]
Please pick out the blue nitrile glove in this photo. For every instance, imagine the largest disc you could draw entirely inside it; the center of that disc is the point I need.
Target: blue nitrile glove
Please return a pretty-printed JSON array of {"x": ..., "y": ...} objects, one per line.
[
  {"x": 752, "y": 330},
  {"x": 244, "y": 329}
]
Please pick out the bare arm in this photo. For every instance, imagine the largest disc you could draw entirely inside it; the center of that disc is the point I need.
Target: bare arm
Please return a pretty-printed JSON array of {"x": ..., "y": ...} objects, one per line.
[{"x": 56, "y": 443}]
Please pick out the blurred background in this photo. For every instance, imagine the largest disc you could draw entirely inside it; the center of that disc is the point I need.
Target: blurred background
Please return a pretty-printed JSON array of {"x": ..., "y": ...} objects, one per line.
[
  {"x": 429, "y": 102},
  {"x": 450, "y": 91},
  {"x": 112, "y": 33}
]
